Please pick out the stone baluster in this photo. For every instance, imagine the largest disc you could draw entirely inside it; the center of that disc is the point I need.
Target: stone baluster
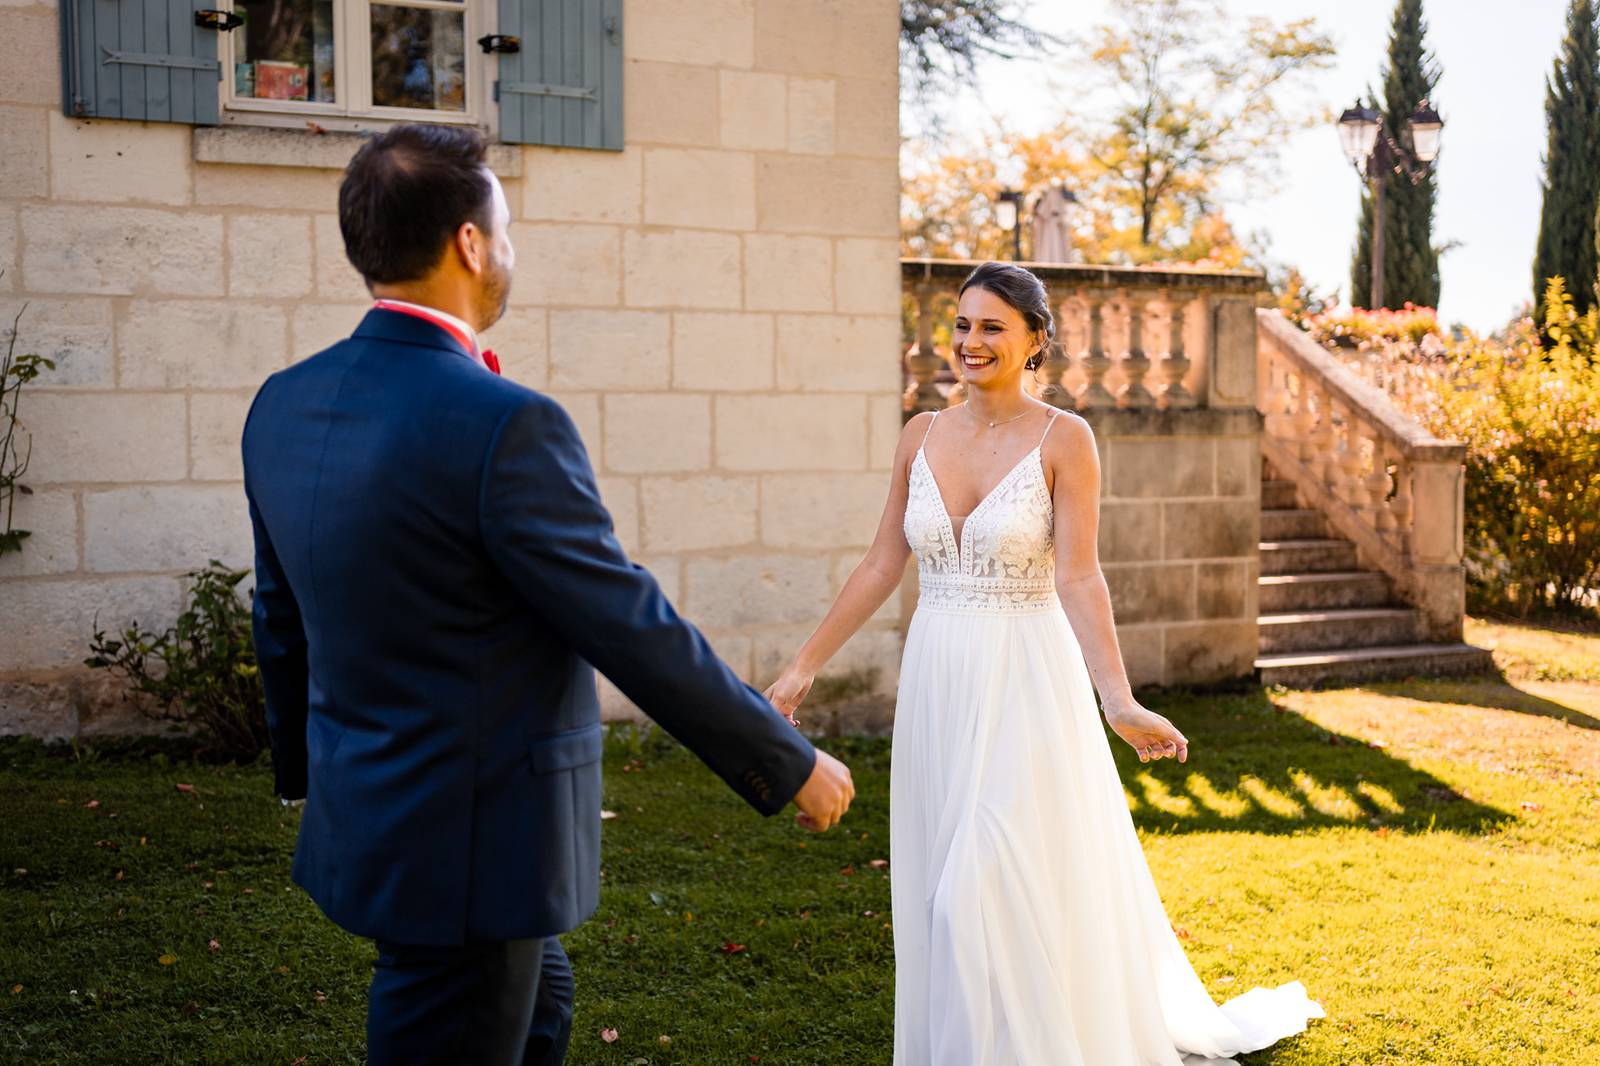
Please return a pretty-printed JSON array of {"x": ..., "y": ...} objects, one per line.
[
  {"x": 1377, "y": 484},
  {"x": 1305, "y": 422},
  {"x": 1176, "y": 365},
  {"x": 1324, "y": 454},
  {"x": 1135, "y": 363},
  {"x": 1400, "y": 506},
  {"x": 1094, "y": 361},
  {"x": 1275, "y": 399},
  {"x": 922, "y": 361},
  {"x": 1055, "y": 364},
  {"x": 1353, "y": 487}
]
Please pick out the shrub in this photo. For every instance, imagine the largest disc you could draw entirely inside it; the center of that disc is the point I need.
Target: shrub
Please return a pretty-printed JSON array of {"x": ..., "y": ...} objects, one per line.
[
  {"x": 1356, "y": 328},
  {"x": 201, "y": 673},
  {"x": 1530, "y": 418}
]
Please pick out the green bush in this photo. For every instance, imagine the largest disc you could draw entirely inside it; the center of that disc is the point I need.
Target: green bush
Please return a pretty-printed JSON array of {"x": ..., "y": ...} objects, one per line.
[
  {"x": 1530, "y": 418},
  {"x": 201, "y": 673}
]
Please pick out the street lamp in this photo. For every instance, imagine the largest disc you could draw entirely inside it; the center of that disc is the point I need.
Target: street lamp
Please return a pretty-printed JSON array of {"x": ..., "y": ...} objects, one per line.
[
  {"x": 1375, "y": 155},
  {"x": 1008, "y": 212}
]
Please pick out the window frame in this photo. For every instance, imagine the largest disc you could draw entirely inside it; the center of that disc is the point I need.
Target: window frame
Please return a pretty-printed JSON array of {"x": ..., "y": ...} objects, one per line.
[{"x": 353, "y": 110}]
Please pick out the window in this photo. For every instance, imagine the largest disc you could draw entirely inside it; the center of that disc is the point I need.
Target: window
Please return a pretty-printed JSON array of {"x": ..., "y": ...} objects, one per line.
[
  {"x": 354, "y": 63},
  {"x": 555, "y": 77}
]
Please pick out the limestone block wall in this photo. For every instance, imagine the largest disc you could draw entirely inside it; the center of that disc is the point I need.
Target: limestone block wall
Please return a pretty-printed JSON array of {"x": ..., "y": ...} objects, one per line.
[
  {"x": 716, "y": 306},
  {"x": 1180, "y": 519}
]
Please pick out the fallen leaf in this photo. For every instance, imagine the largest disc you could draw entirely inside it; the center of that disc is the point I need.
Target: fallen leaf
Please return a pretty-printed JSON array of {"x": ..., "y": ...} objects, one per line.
[
  {"x": 143, "y": 841},
  {"x": 878, "y": 864},
  {"x": 21, "y": 871},
  {"x": 16, "y": 990},
  {"x": 283, "y": 969},
  {"x": 869, "y": 914},
  {"x": 113, "y": 845},
  {"x": 301, "y": 1061},
  {"x": 212, "y": 946},
  {"x": 664, "y": 1040},
  {"x": 608, "y": 1035},
  {"x": 848, "y": 871},
  {"x": 1182, "y": 932},
  {"x": 1379, "y": 744},
  {"x": 319, "y": 996},
  {"x": 730, "y": 948},
  {"x": 92, "y": 805},
  {"x": 606, "y": 816},
  {"x": 183, "y": 788},
  {"x": 119, "y": 875},
  {"x": 208, "y": 885},
  {"x": 167, "y": 960},
  {"x": 1529, "y": 805}
]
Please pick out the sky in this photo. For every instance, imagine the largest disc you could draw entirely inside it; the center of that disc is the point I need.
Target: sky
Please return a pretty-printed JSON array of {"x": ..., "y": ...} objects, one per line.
[{"x": 1494, "y": 57}]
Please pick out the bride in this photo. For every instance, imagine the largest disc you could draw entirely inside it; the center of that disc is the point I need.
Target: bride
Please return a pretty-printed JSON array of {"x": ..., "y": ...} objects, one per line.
[{"x": 1027, "y": 927}]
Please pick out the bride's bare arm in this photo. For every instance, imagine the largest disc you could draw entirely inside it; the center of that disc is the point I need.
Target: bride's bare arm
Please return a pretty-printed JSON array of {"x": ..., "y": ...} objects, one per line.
[
  {"x": 1075, "y": 463},
  {"x": 872, "y": 582}
]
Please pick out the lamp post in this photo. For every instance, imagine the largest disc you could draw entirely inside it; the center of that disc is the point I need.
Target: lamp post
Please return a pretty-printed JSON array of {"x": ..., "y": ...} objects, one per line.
[
  {"x": 1008, "y": 212},
  {"x": 1375, "y": 155}
]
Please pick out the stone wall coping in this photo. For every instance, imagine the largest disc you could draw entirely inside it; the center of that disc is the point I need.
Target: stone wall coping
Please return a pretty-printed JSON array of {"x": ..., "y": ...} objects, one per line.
[
  {"x": 331, "y": 150},
  {"x": 1173, "y": 422},
  {"x": 1086, "y": 276},
  {"x": 1307, "y": 355}
]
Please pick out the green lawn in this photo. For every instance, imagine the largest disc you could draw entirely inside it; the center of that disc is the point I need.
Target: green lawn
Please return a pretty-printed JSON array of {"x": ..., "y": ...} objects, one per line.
[{"x": 1422, "y": 855}]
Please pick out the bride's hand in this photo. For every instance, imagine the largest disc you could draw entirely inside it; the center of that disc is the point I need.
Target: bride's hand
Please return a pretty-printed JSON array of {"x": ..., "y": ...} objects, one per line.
[
  {"x": 787, "y": 693},
  {"x": 1151, "y": 735}
]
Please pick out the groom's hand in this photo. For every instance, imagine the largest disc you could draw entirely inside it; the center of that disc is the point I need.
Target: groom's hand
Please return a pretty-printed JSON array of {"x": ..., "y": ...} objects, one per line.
[{"x": 826, "y": 795}]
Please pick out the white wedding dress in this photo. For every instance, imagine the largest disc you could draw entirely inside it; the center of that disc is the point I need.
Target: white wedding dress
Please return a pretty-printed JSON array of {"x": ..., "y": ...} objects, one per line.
[{"x": 1027, "y": 928}]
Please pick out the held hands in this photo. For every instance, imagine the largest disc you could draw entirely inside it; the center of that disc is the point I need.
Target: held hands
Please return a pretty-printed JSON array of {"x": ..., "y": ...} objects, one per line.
[
  {"x": 789, "y": 691},
  {"x": 1151, "y": 735},
  {"x": 826, "y": 795}
]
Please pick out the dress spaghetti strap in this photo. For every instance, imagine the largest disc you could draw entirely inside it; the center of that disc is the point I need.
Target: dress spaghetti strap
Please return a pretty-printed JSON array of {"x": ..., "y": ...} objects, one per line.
[
  {"x": 925, "y": 432},
  {"x": 1047, "y": 427}
]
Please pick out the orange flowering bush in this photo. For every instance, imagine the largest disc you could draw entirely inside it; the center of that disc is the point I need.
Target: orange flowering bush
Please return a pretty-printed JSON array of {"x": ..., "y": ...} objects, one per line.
[{"x": 1356, "y": 327}]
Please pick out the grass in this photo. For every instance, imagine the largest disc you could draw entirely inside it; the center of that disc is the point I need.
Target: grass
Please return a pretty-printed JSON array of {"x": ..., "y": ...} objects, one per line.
[{"x": 1421, "y": 854}]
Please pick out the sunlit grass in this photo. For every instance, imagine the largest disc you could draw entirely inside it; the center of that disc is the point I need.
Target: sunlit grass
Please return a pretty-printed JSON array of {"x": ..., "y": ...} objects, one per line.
[{"x": 1425, "y": 856}]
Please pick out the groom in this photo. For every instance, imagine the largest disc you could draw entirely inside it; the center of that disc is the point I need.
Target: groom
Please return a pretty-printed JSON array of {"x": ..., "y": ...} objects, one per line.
[{"x": 436, "y": 576}]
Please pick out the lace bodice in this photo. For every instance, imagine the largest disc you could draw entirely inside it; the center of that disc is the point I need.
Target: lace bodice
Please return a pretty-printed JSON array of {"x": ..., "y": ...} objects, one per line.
[{"x": 1004, "y": 560}]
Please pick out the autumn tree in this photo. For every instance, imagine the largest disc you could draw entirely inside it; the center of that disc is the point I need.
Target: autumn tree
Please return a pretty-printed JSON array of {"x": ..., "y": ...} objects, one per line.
[
  {"x": 1191, "y": 99},
  {"x": 942, "y": 41}
]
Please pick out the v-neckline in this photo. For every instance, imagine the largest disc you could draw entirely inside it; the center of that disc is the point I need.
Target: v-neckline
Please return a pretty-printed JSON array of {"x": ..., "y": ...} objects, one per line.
[{"x": 944, "y": 508}]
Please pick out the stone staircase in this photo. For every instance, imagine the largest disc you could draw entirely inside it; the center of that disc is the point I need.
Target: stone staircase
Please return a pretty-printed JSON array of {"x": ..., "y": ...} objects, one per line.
[{"x": 1324, "y": 618}]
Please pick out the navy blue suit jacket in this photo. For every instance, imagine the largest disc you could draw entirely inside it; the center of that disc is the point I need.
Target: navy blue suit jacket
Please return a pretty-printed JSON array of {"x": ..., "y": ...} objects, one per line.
[{"x": 435, "y": 575}]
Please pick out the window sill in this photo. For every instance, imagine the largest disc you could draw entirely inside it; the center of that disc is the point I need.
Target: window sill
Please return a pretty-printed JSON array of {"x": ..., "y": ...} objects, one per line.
[{"x": 265, "y": 147}]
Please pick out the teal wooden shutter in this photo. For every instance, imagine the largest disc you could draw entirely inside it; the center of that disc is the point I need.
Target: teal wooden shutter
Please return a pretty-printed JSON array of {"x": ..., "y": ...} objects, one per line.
[
  {"x": 563, "y": 85},
  {"x": 139, "y": 59}
]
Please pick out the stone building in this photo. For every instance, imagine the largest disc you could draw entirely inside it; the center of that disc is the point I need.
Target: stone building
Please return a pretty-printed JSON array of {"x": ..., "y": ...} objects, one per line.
[{"x": 705, "y": 196}]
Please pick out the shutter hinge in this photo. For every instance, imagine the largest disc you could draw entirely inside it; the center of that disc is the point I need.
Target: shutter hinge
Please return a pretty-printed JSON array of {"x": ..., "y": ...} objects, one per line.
[
  {"x": 212, "y": 19},
  {"x": 529, "y": 88},
  {"x": 150, "y": 59},
  {"x": 500, "y": 42}
]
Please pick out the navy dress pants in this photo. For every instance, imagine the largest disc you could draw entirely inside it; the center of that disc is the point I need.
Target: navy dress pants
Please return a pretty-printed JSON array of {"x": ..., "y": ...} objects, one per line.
[{"x": 497, "y": 1004}]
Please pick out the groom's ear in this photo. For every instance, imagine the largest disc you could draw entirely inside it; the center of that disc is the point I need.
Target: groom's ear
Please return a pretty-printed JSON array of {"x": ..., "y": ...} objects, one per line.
[{"x": 470, "y": 246}]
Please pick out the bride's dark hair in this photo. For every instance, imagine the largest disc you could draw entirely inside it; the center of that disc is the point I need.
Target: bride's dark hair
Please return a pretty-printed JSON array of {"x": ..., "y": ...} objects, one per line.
[{"x": 1025, "y": 293}]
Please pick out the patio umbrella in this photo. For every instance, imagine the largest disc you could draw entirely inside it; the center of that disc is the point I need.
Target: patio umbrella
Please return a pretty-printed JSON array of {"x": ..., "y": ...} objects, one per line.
[{"x": 1050, "y": 239}]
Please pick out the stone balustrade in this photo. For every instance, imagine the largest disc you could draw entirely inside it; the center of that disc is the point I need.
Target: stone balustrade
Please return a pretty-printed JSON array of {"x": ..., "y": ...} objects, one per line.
[
  {"x": 1126, "y": 337},
  {"x": 1379, "y": 479}
]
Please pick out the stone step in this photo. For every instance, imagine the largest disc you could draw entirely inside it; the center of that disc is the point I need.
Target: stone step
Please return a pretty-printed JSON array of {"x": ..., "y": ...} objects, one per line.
[
  {"x": 1306, "y": 556},
  {"x": 1277, "y": 494},
  {"x": 1333, "y": 588},
  {"x": 1304, "y": 669},
  {"x": 1292, "y": 523},
  {"x": 1337, "y": 629}
]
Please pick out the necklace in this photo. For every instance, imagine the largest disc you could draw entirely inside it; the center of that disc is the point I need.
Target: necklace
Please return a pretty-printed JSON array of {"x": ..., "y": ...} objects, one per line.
[{"x": 1002, "y": 421}]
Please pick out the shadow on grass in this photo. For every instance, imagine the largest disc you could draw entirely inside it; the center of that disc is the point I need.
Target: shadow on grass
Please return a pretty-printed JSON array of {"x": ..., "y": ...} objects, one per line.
[
  {"x": 1496, "y": 691},
  {"x": 1258, "y": 766}
]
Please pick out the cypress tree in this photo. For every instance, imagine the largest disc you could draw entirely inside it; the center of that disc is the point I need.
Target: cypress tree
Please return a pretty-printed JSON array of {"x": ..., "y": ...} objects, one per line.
[
  {"x": 1571, "y": 164},
  {"x": 1410, "y": 261}
]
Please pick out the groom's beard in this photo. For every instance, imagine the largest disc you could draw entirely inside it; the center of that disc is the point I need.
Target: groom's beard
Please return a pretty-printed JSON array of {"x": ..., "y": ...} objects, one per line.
[{"x": 494, "y": 294}]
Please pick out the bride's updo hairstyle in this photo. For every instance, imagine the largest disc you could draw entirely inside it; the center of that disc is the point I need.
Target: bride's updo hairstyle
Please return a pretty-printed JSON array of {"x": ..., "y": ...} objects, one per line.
[{"x": 1025, "y": 293}]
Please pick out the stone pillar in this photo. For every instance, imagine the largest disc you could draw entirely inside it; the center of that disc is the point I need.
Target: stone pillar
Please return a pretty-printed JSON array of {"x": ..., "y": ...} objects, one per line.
[
  {"x": 1095, "y": 363},
  {"x": 1135, "y": 363},
  {"x": 1232, "y": 381}
]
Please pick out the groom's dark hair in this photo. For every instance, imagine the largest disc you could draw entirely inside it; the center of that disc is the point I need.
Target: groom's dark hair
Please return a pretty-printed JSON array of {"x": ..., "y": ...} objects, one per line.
[{"x": 406, "y": 193}]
